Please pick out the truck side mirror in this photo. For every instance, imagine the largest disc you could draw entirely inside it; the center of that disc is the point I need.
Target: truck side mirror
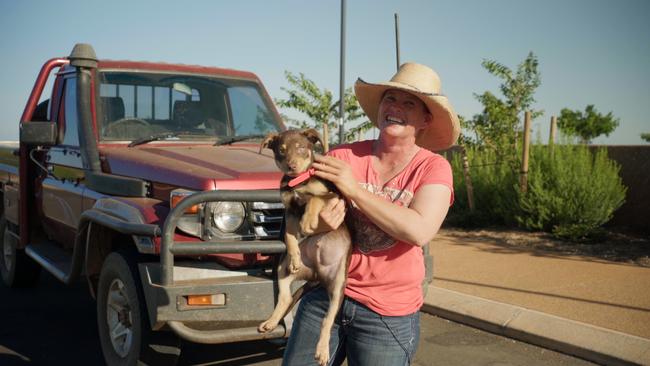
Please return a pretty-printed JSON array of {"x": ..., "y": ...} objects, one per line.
[{"x": 38, "y": 133}]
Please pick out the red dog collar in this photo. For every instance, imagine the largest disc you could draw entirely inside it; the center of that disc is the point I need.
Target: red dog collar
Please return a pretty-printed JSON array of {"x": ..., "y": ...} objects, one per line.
[{"x": 302, "y": 177}]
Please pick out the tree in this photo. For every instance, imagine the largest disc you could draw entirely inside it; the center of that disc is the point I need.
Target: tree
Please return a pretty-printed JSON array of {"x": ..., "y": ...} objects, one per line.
[
  {"x": 497, "y": 127},
  {"x": 646, "y": 136},
  {"x": 586, "y": 126},
  {"x": 354, "y": 112},
  {"x": 306, "y": 97}
]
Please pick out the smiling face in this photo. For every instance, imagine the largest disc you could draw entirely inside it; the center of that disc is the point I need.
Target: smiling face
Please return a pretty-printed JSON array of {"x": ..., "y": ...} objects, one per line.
[{"x": 402, "y": 114}]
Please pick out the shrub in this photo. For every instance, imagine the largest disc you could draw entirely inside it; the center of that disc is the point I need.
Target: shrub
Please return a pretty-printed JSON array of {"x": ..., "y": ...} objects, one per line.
[
  {"x": 494, "y": 180},
  {"x": 571, "y": 191}
]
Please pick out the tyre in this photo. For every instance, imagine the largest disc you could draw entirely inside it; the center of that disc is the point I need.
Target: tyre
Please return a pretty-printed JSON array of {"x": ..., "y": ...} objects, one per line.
[
  {"x": 124, "y": 330},
  {"x": 16, "y": 268}
]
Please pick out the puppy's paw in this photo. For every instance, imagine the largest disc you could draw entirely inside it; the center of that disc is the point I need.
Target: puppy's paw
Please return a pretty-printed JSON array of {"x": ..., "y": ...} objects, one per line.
[
  {"x": 305, "y": 228},
  {"x": 308, "y": 227},
  {"x": 322, "y": 354},
  {"x": 294, "y": 263},
  {"x": 267, "y": 326}
]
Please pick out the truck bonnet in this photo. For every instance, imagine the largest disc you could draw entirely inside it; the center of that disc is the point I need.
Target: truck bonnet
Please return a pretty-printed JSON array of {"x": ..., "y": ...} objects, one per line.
[{"x": 196, "y": 167}]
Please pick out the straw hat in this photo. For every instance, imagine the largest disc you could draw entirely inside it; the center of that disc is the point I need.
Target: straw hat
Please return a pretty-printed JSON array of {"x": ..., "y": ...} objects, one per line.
[{"x": 424, "y": 83}]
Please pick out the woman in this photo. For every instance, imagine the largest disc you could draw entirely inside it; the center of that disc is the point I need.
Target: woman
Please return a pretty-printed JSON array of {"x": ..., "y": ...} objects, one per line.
[{"x": 398, "y": 193}]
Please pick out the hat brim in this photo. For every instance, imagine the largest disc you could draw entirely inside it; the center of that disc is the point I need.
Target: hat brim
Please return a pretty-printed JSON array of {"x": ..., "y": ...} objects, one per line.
[{"x": 441, "y": 134}]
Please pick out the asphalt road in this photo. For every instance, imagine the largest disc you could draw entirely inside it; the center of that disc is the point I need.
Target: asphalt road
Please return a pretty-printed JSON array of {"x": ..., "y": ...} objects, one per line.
[{"x": 54, "y": 324}]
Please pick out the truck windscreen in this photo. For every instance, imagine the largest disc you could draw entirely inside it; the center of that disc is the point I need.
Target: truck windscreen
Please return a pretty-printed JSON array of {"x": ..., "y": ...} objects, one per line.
[{"x": 134, "y": 105}]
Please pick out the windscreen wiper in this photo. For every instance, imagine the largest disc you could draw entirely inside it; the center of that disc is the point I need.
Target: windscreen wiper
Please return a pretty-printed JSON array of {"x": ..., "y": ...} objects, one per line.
[
  {"x": 230, "y": 140},
  {"x": 159, "y": 136},
  {"x": 154, "y": 137}
]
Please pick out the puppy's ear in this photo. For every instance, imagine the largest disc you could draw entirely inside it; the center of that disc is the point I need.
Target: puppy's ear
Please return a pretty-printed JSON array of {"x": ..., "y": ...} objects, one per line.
[
  {"x": 269, "y": 141},
  {"x": 312, "y": 135}
]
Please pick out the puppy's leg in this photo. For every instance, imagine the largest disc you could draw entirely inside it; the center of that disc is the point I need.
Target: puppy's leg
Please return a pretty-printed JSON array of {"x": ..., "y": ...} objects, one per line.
[
  {"x": 309, "y": 220},
  {"x": 285, "y": 299},
  {"x": 335, "y": 292},
  {"x": 291, "y": 241}
]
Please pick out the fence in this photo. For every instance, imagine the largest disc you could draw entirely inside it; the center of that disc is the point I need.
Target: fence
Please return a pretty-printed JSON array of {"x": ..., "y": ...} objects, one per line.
[{"x": 635, "y": 172}]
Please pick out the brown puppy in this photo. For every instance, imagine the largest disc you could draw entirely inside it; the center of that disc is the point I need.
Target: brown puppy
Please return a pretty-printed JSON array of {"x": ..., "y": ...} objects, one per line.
[{"x": 324, "y": 258}]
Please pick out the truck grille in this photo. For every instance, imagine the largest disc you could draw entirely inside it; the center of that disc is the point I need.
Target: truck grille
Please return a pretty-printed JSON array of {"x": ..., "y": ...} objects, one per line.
[{"x": 267, "y": 219}]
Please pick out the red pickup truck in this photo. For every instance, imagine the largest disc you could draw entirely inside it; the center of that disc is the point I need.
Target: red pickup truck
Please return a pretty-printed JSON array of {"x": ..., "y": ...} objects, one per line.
[{"x": 146, "y": 181}]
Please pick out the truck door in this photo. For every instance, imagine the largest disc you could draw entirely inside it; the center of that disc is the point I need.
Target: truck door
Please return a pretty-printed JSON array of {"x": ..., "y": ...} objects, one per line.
[{"x": 62, "y": 189}]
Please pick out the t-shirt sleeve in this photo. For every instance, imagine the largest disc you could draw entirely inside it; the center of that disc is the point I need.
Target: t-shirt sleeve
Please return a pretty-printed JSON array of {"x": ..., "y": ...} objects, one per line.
[
  {"x": 337, "y": 153},
  {"x": 437, "y": 170}
]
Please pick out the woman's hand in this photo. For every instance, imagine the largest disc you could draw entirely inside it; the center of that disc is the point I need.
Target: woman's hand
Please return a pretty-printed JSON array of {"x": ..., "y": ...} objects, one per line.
[
  {"x": 331, "y": 216},
  {"x": 338, "y": 172}
]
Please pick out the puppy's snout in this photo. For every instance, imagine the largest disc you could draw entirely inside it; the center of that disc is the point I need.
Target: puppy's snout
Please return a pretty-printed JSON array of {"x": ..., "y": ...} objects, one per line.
[{"x": 293, "y": 164}]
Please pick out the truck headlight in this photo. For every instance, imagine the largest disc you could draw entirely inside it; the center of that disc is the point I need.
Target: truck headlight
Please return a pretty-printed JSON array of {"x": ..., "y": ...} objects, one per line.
[{"x": 227, "y": 216}]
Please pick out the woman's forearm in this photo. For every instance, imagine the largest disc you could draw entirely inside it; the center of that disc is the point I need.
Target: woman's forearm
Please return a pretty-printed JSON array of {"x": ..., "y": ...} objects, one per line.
[{"x": 416, "y": 224}]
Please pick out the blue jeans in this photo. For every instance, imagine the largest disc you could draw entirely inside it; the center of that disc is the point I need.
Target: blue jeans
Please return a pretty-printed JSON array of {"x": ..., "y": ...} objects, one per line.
[{"x": 363, "y": 336}]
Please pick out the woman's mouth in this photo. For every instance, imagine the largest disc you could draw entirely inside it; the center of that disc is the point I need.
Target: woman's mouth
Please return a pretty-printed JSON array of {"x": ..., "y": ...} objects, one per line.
[{"x": 391, "y": 119}]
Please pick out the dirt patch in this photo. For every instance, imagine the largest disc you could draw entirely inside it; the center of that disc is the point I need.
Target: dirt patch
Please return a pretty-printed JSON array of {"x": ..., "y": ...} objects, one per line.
[{"x": 611, "y": 246}]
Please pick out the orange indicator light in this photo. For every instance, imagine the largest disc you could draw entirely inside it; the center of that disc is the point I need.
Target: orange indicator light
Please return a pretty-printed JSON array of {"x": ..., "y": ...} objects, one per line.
[
  {"x": 176, "y": 199},
  {"x": 200, "y": 300}
]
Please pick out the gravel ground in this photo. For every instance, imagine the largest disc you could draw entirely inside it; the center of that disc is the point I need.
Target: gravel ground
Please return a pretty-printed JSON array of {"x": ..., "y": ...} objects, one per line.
[{"x": 611, "y": 245}]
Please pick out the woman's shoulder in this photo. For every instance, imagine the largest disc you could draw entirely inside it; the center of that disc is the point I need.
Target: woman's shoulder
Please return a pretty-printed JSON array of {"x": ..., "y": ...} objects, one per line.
[
  {"x": 429, "y": 157},
  {"x": 354, "y": 149}
]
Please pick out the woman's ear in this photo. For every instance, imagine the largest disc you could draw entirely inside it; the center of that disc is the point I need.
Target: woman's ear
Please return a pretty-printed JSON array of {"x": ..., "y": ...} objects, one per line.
[{"x": 428, "y": 120}]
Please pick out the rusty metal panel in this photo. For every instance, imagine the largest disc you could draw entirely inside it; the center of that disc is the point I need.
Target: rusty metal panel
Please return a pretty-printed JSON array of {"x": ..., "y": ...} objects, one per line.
[{"x": 250, "y": 296}]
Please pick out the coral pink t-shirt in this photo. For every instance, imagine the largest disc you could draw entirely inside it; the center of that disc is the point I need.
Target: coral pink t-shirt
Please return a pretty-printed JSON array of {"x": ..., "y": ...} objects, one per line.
[{"x": 386, "y": 274}]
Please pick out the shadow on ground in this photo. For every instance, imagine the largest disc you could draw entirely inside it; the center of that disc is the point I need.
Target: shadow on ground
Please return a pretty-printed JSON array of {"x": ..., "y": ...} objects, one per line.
[{"x": 622, "y": 248}]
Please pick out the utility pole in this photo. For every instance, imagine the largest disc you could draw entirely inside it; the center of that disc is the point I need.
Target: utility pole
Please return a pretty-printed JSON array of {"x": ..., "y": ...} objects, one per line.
[
  {"x": 397, "y": 39},
  {"x": 342, "y": 77}
]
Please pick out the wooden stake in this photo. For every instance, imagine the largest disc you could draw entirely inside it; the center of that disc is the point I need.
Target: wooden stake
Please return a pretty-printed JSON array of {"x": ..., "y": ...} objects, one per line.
[
  {"x": 326, "y": 138},
  {"x": 523, "y": 182},
  {"x": 551, "y": 137},
  {"x": 468, "y": 180}
]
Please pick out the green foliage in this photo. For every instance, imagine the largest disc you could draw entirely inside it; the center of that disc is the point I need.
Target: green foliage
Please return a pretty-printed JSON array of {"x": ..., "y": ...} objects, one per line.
[
  {"x": 354, "y": 112},
  {"x": 318, "y": 105},
  {"x": 464, "y": 139},
  {"x": 494, "y": 181},
  {"x": 572, "y": 191},
  {"x": 645, "y": 137},
  {"x": 587, "y": 126},
  {"x": 497, "y": 127}
]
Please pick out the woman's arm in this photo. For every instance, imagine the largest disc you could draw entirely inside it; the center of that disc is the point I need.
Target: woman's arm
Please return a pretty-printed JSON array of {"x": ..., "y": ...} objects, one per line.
[{"x": 416, "y": 224}]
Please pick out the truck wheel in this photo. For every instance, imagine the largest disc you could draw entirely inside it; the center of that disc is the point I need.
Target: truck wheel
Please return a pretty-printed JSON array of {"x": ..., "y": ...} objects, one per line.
[
  {"x": 16, "y": 268},
  {"x": 124, "y": 330}
]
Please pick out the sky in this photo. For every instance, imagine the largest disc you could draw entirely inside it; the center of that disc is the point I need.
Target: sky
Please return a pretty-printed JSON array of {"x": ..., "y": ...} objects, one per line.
[{"x": 589, "y": 51}]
